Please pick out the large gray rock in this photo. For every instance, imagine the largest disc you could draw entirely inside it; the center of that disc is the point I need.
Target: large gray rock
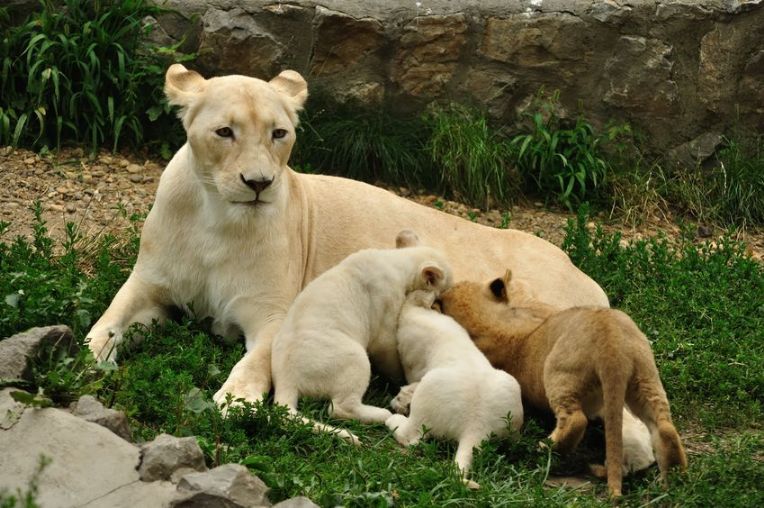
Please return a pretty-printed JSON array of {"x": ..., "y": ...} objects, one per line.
[
  {"x": 16, "y": 352},
  {"x": 230, "y": 485},
  {"x": 170, "y": 458},
  {"x": 87, "y": 464},
  {"x": 697, "y": 151},
  {"x": 89, "y": 408}
]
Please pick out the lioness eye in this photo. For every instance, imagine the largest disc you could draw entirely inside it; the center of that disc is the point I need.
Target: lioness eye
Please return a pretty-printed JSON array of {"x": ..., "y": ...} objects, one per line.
[
  {"x": 279, "y": 133},
  {"x": 224, "y": 132}
]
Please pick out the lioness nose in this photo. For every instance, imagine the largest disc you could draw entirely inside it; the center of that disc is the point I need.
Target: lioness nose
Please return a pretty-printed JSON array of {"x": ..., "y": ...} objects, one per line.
[{"x": 256, "y": 185}]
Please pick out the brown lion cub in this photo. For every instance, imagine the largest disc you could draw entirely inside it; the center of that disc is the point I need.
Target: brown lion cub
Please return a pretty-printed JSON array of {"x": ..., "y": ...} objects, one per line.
[{"x": 579, "y": 362}]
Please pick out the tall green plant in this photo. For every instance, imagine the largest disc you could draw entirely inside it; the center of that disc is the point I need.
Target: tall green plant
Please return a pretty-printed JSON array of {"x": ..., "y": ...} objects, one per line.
[{"x": 80, "y": 71}]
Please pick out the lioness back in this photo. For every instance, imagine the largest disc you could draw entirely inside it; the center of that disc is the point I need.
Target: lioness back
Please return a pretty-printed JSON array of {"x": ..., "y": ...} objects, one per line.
[{"x": 347, "y": 215}]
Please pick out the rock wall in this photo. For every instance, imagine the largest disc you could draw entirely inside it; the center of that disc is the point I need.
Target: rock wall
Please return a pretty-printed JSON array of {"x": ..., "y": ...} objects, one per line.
[{"x": 673, "y": 69}]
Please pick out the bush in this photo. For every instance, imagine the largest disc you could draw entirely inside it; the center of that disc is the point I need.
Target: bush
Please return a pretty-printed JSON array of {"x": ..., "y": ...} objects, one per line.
[{"x": 81, "y": 72}]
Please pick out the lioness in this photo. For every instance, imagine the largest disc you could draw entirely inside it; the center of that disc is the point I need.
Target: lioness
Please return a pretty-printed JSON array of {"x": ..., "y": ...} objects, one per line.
[
  {"x": 237, "y": 234},
  {"x": 579, "y": 362}
]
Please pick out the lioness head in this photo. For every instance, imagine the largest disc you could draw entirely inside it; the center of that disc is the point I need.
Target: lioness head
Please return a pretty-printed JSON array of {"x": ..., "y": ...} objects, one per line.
[{"x": 240, "y": 130}]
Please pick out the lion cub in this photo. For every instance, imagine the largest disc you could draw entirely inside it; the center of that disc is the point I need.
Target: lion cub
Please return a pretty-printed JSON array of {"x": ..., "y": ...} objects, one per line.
[
  {"x": 352, "y": 309},
  {"x": 579, "y": 362},
  {"x": 457, "y": 393}
]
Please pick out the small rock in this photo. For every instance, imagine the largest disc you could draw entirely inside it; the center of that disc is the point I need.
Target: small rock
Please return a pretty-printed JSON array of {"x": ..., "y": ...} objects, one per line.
[
  {"x": 134, "y": 168},
  {"x": 296, "y": 502},
  {"x": 124, "y": 163},
  {"x": 70, "y": 208},
  {"x": 230, "y": 485},
  {"x": 136, "y": 178},
  {"x": 62, "y": 190},
  {"x": 29, "y": 161},
  {"x": 169, "y": 458},
  {"x": 704, "y": 232},
  {"x": 18, "y": 350},
  {"x": 55, "y": 208},
  {"x": 90, "y": 409}
]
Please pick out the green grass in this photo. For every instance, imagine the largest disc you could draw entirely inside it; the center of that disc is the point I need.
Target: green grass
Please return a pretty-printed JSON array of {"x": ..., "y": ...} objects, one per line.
[{"x": 701, "y": 308}]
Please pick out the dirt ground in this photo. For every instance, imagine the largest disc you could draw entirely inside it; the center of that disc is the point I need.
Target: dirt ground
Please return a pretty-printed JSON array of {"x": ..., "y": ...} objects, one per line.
[{"x": 100, "y": 193}]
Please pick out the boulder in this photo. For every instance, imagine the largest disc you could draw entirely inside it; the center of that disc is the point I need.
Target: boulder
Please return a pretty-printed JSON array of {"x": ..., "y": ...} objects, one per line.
[
  {"x": 85, "y": 464},
  {"x": 230, "y": 485},
  {"x": 342, "y": 41},
  {"x": 89, "y": 408},
  {"x": 169, "y": 458},
  {"x": 17, "y": 351}
]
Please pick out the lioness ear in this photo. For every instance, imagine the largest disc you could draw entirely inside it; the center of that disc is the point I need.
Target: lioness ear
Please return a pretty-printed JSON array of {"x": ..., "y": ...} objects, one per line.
[
  {"x": 182, "y": 86},
  {"x": 293, "y": 86},
  {"x": 432, "y": 275},
  {"x": 499, "y": 290},
  {"x": 406, "y": 238}
]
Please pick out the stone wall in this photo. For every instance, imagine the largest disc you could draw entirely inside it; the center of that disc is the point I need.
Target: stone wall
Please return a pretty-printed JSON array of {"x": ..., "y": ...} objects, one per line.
[{"x": 673, "y": 69}]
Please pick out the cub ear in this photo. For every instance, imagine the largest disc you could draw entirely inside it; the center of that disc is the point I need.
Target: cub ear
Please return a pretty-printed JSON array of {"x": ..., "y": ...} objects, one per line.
[
  {"x": 183, "y": 86},
  {"x": 499, "y": 290},
  {"x": 432, "y": 275},
  {"x": 406, "y": 238},
  {"x": 293, "y": 86}
]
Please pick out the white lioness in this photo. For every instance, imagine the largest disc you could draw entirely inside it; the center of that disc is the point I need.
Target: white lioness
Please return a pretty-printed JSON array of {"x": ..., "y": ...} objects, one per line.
[
  {"x": 236, "y": 233},
  {"x": 345, "y": 313},
  {"x": 458, "y": 394}
]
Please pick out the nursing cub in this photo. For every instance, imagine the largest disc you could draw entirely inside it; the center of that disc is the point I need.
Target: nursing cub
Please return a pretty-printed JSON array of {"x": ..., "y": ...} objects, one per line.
[
  {"x": 347, "y": 314},
  {"x": 580, "y": 362},
  {"x": 457, "y": 394}
]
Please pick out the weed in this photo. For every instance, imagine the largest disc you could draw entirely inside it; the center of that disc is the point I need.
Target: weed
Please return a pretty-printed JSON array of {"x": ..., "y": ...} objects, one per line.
[
  {"x": 731, "y": 191},
  {"x": 474, "y": 162}
]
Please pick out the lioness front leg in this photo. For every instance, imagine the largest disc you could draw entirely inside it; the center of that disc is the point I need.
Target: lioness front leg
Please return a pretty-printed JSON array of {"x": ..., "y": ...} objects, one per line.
[
  {"x": 250, "y": 378},
  {"x": 136, "y": 302}
]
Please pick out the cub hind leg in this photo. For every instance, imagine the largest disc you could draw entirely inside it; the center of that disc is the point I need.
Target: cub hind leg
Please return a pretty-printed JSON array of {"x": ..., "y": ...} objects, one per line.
[
  {"x": 350, "y": 384},
  {"x": 564, "y": 395},
  {"x": 647, "y": 400}
]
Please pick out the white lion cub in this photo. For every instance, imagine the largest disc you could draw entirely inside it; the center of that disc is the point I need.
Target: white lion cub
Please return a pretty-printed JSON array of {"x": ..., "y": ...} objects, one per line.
[
  {"x": 457, "y": 394},
  {"x": 349, "y": 311}
]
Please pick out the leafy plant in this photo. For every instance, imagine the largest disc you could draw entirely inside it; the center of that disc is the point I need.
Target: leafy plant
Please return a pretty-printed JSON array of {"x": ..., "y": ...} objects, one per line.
[
  {"x": 563, "y": 159},
  {"x": 82, "y": 72}
]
